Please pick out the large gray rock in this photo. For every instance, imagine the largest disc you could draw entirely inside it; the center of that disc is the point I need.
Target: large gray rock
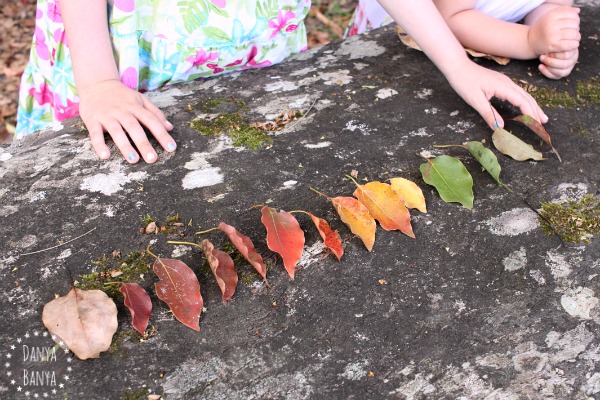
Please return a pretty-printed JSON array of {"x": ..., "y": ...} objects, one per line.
[{"x": 482, "y": 304}]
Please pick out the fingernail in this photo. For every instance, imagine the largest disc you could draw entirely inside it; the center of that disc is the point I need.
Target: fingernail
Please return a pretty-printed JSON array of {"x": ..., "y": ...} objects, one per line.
[
  {"x": 104, "y": 155},
  {"x": 169, "y": 125},
  {"x": 150, "y": 157},
  {"x": 496, "y": 124},
  {"x": 171, "y": 146},
  {"x": 131, "y": 156}
]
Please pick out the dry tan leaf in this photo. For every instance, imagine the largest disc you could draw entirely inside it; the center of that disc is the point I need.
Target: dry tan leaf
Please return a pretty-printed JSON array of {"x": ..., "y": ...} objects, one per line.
[
  {"x": 410, "y": 42},
  {"x": 512, "y": 146},
  {"x": 85, "y": 320}
]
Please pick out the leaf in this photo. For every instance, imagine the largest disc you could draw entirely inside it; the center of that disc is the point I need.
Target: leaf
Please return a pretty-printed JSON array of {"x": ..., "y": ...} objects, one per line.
[
  {"x": 538, "y": 129},
  {"x": 179, "y": 288},
  {"x": 223, "y": 269},
  {"x": 410, "y": 192},
  {"x": 85, "y": 320},
  {"x": 139, "y": 304},
  {"x": 385, "y": 205},
  {"x": 331, "y": 238},
  {"x": 284, "y": 236},
  {"x": 512, "y": 146},
  {"x": 486, "y": 158},
  {"x": 354, "y": 214},
  {"x": 246, "y": 248},
  {"x": 451, "y": 179}
]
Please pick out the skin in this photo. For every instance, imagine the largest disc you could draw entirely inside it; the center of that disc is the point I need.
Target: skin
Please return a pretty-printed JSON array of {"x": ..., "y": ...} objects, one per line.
[
  {"x": 108, "y": 105},
  {"x": 550, "y": 32}
]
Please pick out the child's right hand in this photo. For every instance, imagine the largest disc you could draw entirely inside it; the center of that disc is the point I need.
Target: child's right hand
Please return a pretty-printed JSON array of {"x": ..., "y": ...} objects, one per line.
[{"x": 123, "y": 112}]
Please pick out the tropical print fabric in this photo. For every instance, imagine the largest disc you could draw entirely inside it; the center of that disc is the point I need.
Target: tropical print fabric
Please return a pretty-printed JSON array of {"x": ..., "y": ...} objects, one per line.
[{"x": 159, "y": 42}]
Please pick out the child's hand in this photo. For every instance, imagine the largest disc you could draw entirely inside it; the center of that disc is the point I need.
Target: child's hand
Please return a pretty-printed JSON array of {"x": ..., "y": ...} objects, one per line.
[
  {"x": 477, "y": 85},
  {"x": 113, "y": 107},
  {"x": 558, "y": 65},
  {"x": 556, "y": 31}
]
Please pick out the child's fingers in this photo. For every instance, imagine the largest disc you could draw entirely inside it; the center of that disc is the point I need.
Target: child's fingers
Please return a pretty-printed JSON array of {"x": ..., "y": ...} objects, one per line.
[
  {"x": 97, "y": 138},
  {"x": 121, "y": 140},
  {"x": 136, "y": 133},
  {"x": 157, "y": 112},
  {"x": 157, "y": 128},
  {"x": 520, "y": 99}
]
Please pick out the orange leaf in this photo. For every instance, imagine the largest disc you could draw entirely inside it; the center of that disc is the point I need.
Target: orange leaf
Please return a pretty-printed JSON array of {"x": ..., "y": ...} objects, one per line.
[
  {"x": 385, "y": 205},
  {"x": 223, "y": 269},
  {"x": 179, "y": 288},
  {"x": 284, "y": 236},
  {"x": 246, "y": 248},
  {"x": 139, "y": 304},
  {"x": 331, "y": 238},
  {"x": 357, "y": 217}
]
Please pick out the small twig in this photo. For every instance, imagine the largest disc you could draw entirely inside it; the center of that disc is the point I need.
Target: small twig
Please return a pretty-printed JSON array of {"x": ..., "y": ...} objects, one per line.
[
  {"x": 546, "y": 220},
  {"x": 303, "y": 115},
  {"x": 58, "y": 245}
]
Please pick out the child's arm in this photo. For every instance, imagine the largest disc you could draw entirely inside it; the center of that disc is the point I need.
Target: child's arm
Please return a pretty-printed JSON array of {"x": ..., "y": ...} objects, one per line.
[
  {"x": 106, "y": 104},
  {"x": 475, "y": 84}
]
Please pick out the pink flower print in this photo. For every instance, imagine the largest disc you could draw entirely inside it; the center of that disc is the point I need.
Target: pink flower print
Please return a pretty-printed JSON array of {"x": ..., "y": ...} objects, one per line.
[
  {"x": 215, "y": 68},
  {"x": 43, "y": 96},
  {"x": 219, "y": 3},
  {"x": 40, "y": 44},
  {"x": 129, "y": 77},
  {"x": 233, "y": 64},
  {"x": 291, "y": 27},
  {"x": 63, "y": 112},
  {"x": 282, "y": 20},
  {"x": 202, "y": 57},
  {"x": 251, "y": 63},
  {"x": 125, "y": 5},
  {"x": 54, "y": 12},
  {"x": 60, "y": 37}
]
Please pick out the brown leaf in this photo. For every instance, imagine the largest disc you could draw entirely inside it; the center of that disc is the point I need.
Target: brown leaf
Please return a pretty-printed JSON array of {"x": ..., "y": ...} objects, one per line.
[
  {"x": 246, "y": 248},
  {"x": 538, "y": 129},
  {"x": 139, "y": 304},
  {"x": 85, "y": 320},
  {"x": 222, "y": 267},
  {"x": 179, "y": 288}
]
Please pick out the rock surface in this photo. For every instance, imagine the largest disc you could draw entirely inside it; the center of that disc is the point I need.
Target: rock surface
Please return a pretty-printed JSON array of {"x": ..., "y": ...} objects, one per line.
[{"x": 482, "y": 304}]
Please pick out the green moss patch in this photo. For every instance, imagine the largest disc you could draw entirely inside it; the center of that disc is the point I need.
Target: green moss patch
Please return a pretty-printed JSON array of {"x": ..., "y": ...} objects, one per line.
[
  {"x": 242, "y": 133},
  {"x": 587, "y": 92},
  {"x": 575, "y": 221}
]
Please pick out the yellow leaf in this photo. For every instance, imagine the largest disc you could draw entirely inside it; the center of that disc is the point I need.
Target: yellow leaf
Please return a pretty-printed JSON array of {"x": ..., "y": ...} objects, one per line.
[
  {"x": 410, "y": 192},
  {"x": 357, "y": 217}
]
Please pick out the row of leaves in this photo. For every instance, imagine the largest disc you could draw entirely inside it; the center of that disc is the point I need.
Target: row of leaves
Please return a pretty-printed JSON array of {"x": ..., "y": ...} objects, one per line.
[{"x": 87, "y": 319}]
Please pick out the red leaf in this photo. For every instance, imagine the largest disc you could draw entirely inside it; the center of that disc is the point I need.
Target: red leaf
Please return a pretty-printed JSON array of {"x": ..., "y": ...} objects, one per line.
[
  {"x": 538, "y": 129},
  {"x": 246, "y": 248},
  {"x": 139, "y": 304},
  {"x": 222, "y": 267},
  {"x": 284, "y": 236},
  {"x": 331, "y": 238},
  {"x": 179, "y": 288}
]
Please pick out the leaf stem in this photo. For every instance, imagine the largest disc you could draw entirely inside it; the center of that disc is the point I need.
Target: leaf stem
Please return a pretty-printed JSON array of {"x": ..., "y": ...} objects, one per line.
[
  {"x": 185, "y": 243},
  {"x": 206, "y": 231},
  {"x": 319, "y": 193},
  {"x": 352, "y": 179},
  {"x": 150, "y": 252},
  {"x": 443, "y": 146},
  {"x": 299, "y": 211}
]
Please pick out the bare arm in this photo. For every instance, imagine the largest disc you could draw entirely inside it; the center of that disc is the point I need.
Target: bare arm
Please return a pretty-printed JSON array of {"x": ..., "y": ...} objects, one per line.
[
  {"x": 475, "y": 84},
  {"x": 105, "y": 103}
]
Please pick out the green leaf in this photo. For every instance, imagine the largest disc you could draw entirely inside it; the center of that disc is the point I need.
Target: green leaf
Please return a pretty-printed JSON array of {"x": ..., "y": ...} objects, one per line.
[
  {"x": 451, "y": 179},
  {"x": 216, "y": 34},
  {"x": 486, "y": 158},
  {"x": 512, "y": 146}
]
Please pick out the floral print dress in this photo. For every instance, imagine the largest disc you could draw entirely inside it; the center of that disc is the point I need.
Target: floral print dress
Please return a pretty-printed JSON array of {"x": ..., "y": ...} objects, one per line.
[{"x": 158, "y": 42}]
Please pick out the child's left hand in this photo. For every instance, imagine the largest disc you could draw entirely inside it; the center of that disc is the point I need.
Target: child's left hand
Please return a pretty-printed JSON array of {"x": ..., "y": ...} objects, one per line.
[{"x": 558, "y": 65}]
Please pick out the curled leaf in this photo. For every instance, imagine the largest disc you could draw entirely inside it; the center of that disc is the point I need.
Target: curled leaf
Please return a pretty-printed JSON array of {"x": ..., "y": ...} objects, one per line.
[
  {"x": 180, "y": 289},
  {"x": 139, "y": 304},
  {"x": 512, "y": 146},
  {"x": 451, "y": 179},
  {"x": 246, "y": 248},
  {"x": 331, "y": 238},
  {"x": 284, "y": 236},
  {"x": 223, "y": 269},
  {"x": 385, "y": 205},
  {"x": 354, "y": 214},
  {"x": 410, "y": 192},
  {"x": 85, "y": 320},
  {"x": 538, "y": 129}
]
